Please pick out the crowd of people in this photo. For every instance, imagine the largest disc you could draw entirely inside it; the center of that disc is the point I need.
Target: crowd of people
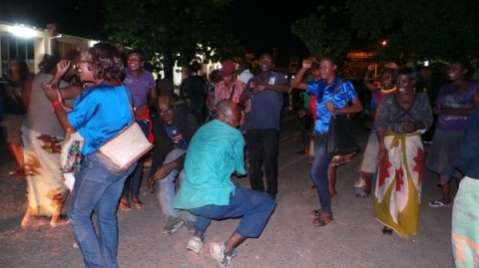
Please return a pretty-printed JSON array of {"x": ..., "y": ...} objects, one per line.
[{"x": 200, "y": 137}]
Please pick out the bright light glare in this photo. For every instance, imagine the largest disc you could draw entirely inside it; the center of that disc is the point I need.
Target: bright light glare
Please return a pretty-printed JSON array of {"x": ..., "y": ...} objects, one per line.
[
  {"x": 91, "y": 43},
  {"x": 22, "y": 31},
  {"x": 426, "y": 63},
  {"x": 384, "y": 43}
]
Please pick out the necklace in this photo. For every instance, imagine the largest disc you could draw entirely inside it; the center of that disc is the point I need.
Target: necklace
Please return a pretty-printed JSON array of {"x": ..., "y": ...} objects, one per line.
[{"x": 387, "y": 91}]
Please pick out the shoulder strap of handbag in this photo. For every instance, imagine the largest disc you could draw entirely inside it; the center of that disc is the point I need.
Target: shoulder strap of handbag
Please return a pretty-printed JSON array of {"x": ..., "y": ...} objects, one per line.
[
  {"x": 130, "y": 101},
  {"x": 338, "y": 82},
  {"x": 232, "y": 91}
]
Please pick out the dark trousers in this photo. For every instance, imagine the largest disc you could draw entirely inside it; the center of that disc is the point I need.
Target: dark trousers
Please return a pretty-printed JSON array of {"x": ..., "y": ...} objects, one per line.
[
  {"x": 263, "y": 151},
  {"x": 133, "y": 182},
  {"x": 319, "y": 172},
  {"x": 252, "y": 207}
]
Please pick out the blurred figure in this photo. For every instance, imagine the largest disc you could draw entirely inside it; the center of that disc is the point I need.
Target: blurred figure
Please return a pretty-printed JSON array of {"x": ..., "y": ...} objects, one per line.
[
  {"x": 42, "y": 137},
  {"x": 369, "y": 164},
  {"x": 173, "y": 132},
  {"x": 454, "y": 104},
  {"x": 465, "y": 224},
  {"x": 15, "y": 101},
  {"x": 230, "y": 87},
  {"x": 165, "y": 87},
  {"x": 262, "y": 126},
  {"x": 245, "y": 74},
  {"x": 141, "y": 84},
  {"x": 213, "y": 79},
  {"x": 193, "y": 88}
]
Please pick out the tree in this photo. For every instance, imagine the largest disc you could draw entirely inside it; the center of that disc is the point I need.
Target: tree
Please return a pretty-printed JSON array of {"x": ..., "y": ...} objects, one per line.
[
  {"x": 170, "y": 30},
  {"x": 420, "y": 28},
  {"x": 323, "y": 33}
]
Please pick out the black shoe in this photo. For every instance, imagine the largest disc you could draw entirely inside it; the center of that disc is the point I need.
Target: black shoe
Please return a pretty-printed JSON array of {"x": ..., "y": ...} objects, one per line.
[{"x": 387, "y": 231}]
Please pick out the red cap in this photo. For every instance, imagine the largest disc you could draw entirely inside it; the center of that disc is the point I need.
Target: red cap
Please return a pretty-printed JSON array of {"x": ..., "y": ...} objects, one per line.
[{"x": 229, "y": 67}]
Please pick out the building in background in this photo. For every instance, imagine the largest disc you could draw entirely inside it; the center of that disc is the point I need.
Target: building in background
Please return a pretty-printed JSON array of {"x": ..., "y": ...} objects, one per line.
[{"x": 28, "y": 43}]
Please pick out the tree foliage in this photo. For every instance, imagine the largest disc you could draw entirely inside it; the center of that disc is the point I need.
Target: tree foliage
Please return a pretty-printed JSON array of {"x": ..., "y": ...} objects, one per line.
[
  {"x": 420, "y": 28},
  {"x": 170, "y": 30},
  {"x": 323, "y": 33}
]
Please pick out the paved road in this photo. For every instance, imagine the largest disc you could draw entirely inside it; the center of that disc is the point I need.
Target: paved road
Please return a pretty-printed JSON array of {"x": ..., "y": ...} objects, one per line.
[{"x": 354, "y": 239}]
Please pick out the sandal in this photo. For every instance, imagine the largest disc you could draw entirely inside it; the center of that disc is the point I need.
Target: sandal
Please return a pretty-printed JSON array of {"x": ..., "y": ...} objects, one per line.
[
  {"x": 136, "y": 203},
  {"x": 60, "y": 222},
  {"x": 124, "y": 204},
  {"x": 315, "y": 213},
  {"x": 18, "y": 173},
  {"x": 322, "y": 220}
]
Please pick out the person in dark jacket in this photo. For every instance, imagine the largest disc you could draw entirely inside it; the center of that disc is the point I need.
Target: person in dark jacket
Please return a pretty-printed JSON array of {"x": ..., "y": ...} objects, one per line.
[{"x": 173, "y": 131}]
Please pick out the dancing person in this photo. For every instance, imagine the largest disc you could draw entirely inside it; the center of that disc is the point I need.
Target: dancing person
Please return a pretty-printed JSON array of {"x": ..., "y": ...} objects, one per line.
[
  {"x": 100, "y": 113},
  {"x": 42, "y": 137},
  {"x": 334, "y": 96},
  {"x": 400, "y": 121},
  {"x": 215, "y": 152}
]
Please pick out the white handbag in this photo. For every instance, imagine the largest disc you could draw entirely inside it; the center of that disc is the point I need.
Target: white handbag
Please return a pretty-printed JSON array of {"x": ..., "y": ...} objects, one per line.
[{"x": 126, "y": 147}]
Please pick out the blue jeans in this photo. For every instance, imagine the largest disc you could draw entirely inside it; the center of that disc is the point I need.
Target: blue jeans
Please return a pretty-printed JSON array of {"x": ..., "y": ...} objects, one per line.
[
  {"x": 97, "y": 190},
  {"x": 167, "y": 187},
  {"x": 133, "y": 182},
  {"x": 254, "y": 209},
  {"x": 319, "y": 173}
]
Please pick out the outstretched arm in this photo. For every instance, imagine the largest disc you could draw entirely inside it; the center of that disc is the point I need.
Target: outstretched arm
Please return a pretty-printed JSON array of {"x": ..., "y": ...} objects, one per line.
[{"x": 297, "y": 82}]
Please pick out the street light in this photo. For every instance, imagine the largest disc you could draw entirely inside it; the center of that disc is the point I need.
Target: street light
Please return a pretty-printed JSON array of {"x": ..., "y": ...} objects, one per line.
[
  {"x": 22, "y": 31},
  {"x": 92, "y": 43},
  {"x": 384, "y": 42}
]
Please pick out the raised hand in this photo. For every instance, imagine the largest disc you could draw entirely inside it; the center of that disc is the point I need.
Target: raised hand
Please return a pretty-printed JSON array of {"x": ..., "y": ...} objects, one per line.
[
  {"x": 62, "y": 67},
  {"x": 307, "y": 63}
]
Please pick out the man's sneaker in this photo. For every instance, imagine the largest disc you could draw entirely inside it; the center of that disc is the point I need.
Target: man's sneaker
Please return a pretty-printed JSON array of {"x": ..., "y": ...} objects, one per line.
[
  {"x": 439, "y": 204},
  {"x": 195, "y": 244},
  {"x": 172, "y": 225},
  {"x": 217, "y": 252}
]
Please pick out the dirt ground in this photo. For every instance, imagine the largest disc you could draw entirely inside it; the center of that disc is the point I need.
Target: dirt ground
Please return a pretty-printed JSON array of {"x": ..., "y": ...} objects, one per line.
[{"x": 354, "y": 239}]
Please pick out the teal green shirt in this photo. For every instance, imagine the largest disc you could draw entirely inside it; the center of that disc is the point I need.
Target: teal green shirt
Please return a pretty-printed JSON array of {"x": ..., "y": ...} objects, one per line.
[{"x": 214, "y": 153}]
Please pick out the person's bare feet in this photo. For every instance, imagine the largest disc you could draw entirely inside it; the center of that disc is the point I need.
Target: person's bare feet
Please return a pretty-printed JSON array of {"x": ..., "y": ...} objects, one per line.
[
  {"x": 58, "y": 220},
  {"x": 29, "y": 222}
]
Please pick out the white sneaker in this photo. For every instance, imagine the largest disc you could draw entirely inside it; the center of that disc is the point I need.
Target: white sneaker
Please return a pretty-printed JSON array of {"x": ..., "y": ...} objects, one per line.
[
  {"x": 217, "y": 252},
  {"x": 195, "y": 244}
]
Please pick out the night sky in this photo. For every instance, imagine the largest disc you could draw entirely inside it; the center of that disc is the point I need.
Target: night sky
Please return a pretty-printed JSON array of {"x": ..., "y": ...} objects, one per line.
[{"x": 259, "y": 25}]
